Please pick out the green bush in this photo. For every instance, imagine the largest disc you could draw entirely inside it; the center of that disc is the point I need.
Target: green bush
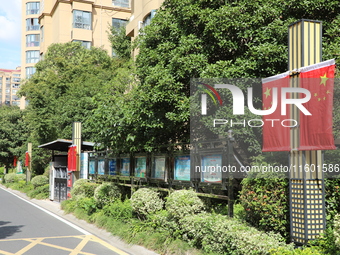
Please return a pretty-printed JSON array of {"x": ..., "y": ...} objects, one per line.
[
  {"x": 39, "y": 180},
  {"x": 299, "y": 251},
  {"x": 10, "y": 178},
  {"x": 88, "y": 204},
  {"x": 337, "y": 230},
  {"x": 106, "y": 193},
  {"x": 80, "y": 182},
  {"x": 83, "y": 189},
  {"x": 146, "y": 201},
  {"x": 326, "y": 243},
  {"x": 119, "y": 210},
  {"x": 223, "y": 235},
  {"x": 266, "y": 203},
  {"x": 21, "y": 177},
  {"x": 40, "y": 192},
  {"x": 182, "y": 203}
]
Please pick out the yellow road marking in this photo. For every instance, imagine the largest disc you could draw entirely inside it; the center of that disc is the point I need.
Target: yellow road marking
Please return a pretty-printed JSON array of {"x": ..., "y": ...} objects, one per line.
[
  {"x": 64, "y": 248},
  {"x": 5, "y": 253},
  {"x": 112, "y": 248},
  {"x": 81, "y": 245},
  {"x": 85, "y": 239},
  {"x": 30, "y": 246}
]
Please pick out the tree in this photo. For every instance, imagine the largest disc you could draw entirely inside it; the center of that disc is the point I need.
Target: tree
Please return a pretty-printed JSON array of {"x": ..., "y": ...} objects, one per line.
[
  {"x": 206, "y": 39},
  {"x": 13, "y": 134},
  {"x": 62, "y": 89}
]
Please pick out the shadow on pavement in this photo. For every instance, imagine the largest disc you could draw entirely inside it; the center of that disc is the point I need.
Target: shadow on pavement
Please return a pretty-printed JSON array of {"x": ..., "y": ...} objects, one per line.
[{"x": 6, "y": 231}]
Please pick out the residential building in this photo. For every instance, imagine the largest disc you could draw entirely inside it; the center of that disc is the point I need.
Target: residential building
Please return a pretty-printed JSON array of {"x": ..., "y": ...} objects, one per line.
[
  {"x": 9, "y": 86},
  {"x": 46, "y": 22},
  {"x": 142, "y": 11}
]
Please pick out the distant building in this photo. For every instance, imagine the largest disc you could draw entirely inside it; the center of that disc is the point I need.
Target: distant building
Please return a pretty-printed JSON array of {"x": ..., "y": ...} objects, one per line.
[
  {"x": 9, "y": 86},
  {"x": 142, "y": 11},
  {"x": 46, "y": 22}
]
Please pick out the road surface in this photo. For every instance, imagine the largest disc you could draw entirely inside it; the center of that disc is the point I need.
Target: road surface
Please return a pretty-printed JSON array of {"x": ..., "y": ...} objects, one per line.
[{"x": 28, "y": 229}]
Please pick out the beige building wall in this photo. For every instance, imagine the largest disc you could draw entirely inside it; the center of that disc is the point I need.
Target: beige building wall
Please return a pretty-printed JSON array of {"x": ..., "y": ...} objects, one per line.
[
  {"x": 141, "y": 13},
  {"x": 56, "y": 24},
  {"x": 9, "y": 86}
]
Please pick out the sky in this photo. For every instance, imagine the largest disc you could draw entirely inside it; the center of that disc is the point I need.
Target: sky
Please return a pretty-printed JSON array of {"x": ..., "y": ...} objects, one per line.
[{"x": 10, "y": 34}]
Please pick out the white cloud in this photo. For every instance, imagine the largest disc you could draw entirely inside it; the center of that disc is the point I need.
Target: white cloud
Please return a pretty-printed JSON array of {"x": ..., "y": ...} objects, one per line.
[{"x": 10, "y": 20}]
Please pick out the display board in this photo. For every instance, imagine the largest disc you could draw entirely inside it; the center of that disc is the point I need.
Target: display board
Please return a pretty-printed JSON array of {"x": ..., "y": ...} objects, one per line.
[
  {"x": 182, "y": 168},
  {"x": 113, "y": 167},
  {"x": 125, "y": 166},
  {"x": 158, "y": 170},
  {"x": 101, "y": 166},
  {"x": 211, "y": 168},
  {"x": 140, "y": 166},
  {"x": 92, "y": 166}
]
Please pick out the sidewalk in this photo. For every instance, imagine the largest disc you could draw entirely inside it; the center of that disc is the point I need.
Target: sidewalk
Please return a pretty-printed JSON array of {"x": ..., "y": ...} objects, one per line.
[{"x": 54, "y": 207}]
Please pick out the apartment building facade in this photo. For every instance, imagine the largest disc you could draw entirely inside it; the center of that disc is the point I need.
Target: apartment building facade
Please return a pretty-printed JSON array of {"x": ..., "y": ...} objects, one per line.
[
  {"x": 45, "y": 22},
  {"x": 142, "y": 11},
  {"x": 9, "y": 86}
]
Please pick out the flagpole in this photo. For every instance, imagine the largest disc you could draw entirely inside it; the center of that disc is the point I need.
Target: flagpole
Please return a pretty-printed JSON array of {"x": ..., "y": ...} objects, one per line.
[{"x": 306, "y": 189}]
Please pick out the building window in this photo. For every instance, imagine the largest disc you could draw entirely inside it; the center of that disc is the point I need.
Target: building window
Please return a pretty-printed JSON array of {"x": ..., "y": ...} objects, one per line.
[
  {"x": 32, "y": 24},
  {"x": 82, "y": 19},
  {"x": 85, "y": 44},
  {"x": 148, "y": 18},
  {"x": 32, "y": 56},
  {"x": 121, "y": 3},
  {"x": 15, "y": 79},
  {"x": 118, "y": 23},
  {"x": 32, "y": 8},
  {"x": 32, "y": 41},
  {"x": 16, "y": 86},
  {"x": 15, "y": 102},
  {"x": 30, "y": 71}
]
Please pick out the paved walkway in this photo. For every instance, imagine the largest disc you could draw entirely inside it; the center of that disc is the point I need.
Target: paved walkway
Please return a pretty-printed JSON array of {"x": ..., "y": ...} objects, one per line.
[{"x": 97, "y": 234}]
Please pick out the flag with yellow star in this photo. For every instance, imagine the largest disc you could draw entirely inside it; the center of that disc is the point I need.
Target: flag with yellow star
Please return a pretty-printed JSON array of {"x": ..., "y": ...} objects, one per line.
[
  {"x": 276, "y": 137},
  {"x": 316, "y": 129}
]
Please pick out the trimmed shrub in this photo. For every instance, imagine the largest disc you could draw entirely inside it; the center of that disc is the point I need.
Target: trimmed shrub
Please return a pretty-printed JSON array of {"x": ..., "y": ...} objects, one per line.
[
  {"x": 305, "y": 251},
  {"x": 220, "y": 234},
  {"x": 182, "y": 203},
  {"x": 266, "y": 203},
  {"x": 39, "y": 180},
  {"x": 119, "y": 210},
  {"x": 336, "y": 230},
  {"x": 83, "y": 188},
  {"x": 21, "y": 177},
  {"x": 10, "y": 178},
  {"x": 80, "y": 182},
  {"x": 40, "y": 192},
  {"x": 106, "y": 193},
  {"x": 146, "y": 201}
]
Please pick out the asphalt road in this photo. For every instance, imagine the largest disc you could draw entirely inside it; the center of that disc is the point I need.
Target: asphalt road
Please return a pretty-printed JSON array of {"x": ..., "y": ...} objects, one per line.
[{"x": 28, "y": 229}]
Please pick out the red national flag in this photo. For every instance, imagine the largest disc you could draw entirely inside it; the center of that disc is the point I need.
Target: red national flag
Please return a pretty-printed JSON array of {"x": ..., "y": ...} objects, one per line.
[
  {"x": 27, "y": 158},
  {"x": 316, "y": 129},
  {"x": 276, "y": 137},
  {"x": 72, "y": 158},
  {"x": 15, "y": 159}
]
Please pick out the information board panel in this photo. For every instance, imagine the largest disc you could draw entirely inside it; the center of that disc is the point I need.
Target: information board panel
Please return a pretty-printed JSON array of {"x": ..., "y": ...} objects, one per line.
[
  {"x": 211, "y": 168},
  {"x": 125, "y": 167},
  {"x": 140, "y": 166},
  {"x": 92, "y": 167},
  {"x": 182, "y": 168},
  {"x": 101, "y": 166},
  {"x": 158, "y": 167},
  {"x": 112, "y": 167}
]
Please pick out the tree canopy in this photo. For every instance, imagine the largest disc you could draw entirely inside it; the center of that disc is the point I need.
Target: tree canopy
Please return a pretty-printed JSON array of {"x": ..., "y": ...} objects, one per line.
[{"x": 13, "y": 134}]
